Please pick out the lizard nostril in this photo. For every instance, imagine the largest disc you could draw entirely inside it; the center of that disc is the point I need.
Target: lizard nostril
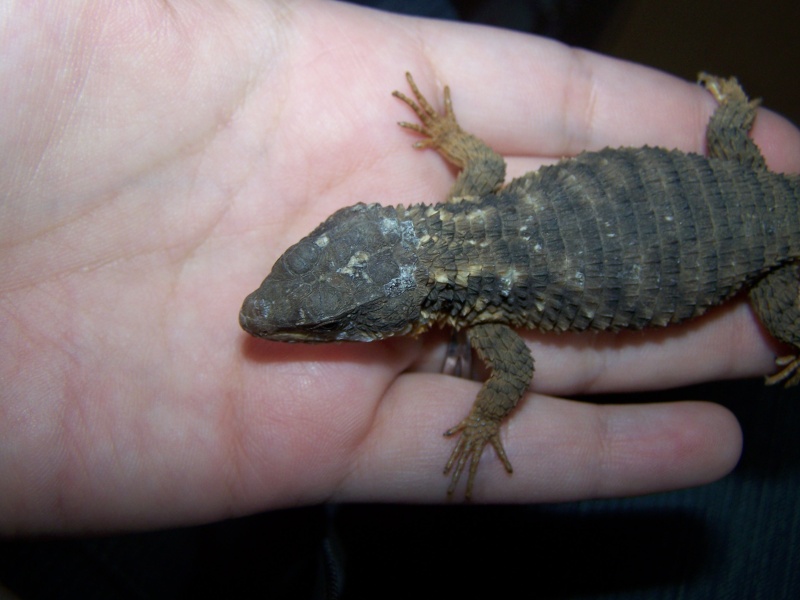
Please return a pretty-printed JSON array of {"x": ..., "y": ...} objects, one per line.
[{"x": 254, "y": 313}]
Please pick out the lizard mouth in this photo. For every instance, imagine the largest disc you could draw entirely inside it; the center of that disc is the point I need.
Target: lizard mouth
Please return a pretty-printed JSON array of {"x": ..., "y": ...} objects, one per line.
[{"x": 258, "y": 318}]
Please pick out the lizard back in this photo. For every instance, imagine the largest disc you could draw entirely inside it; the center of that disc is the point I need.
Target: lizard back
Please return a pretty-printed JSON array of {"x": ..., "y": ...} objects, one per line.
[{"x": 622, "y": 238}]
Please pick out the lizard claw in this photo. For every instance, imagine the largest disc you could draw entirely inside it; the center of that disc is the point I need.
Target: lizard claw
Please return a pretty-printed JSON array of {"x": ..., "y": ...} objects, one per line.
[
  {"x": 725, "y": 90},
  {"x": 789, "y": 375},
  {"x": 483, "y": 170},
  {"x": 437, "y": 129},
  {"x": 476, "y": 432}
]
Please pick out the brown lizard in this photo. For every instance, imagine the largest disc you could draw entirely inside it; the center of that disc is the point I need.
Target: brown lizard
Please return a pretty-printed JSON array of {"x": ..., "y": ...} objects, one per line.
[{"x": 622, "y": 238}]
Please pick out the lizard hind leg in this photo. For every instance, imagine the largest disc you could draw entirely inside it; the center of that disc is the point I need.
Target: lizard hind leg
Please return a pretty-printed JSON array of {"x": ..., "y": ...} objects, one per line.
[
  {"x": 789, "y": 375},
  {"x": 776, "y": 301},
  {"x": 727, "y": 133}
]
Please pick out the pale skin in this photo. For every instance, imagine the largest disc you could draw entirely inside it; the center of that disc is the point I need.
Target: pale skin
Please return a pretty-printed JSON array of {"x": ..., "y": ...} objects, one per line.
[{"x": 158, "y": 158}]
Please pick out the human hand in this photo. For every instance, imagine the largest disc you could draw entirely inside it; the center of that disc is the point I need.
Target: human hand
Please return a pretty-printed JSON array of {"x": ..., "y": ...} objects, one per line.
[{"x": 156, "y": 163}]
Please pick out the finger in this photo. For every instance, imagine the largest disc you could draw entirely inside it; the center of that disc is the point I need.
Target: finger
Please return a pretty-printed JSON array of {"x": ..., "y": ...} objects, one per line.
[
  {"x": 560, "y": 450},
  {"x": 530, "y": 96},
  {"x": 728, "y": 343}
]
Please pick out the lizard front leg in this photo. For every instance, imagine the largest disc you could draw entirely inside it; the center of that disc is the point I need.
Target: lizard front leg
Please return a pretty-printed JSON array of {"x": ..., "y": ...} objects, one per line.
[
  {"x": 483, "y": 170},
  {"x": 506, "y": 354}
]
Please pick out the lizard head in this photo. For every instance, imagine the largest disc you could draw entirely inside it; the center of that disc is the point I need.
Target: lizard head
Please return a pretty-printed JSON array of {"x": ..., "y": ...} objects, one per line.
[{"x": 354, "y": 278}]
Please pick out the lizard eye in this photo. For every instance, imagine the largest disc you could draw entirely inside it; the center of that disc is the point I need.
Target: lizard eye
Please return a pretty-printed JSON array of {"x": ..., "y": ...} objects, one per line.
[
  {"x": 301, "y": 258},
  {"x": 324, "y": 302}
]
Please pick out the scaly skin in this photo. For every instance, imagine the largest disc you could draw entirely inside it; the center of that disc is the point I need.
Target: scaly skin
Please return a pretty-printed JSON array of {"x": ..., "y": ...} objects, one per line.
[{"x": 617, "y": 239}]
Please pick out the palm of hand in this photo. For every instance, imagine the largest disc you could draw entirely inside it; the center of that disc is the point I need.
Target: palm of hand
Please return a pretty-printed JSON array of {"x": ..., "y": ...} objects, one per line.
[{"x": 150, "y": 191}]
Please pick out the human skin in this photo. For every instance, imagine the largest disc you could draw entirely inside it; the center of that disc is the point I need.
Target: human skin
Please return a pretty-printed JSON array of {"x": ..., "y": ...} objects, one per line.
[{"x": 157, "y": 158}]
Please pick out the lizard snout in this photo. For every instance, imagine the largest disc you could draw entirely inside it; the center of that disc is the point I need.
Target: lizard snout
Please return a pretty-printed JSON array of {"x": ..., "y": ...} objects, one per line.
[{"x": 254, "y": 315}]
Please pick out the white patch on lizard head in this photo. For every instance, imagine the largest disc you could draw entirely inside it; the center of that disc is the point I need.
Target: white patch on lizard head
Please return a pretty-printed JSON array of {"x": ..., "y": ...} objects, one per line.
[
  {"x": 355, "y": 266},
  {"x": 408, "y": 233},
  {"x": 403, "y": 229},
  {"x": 401, "y": 284},
  {"x": 322, "y": 241},
  {"x": 389, "y": 226}
]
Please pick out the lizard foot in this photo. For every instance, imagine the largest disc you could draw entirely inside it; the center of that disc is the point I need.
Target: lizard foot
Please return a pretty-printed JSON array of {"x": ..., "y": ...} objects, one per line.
[
  {"x": 789, "y": 375},
  {"x": 476, "y": 432},
  {"x": 725, "y": 90},
  {"x": 441, "y": 131}
]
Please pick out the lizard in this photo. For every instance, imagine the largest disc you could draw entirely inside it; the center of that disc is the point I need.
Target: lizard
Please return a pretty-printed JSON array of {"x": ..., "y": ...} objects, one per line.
[{"x": 620, "y": 238}]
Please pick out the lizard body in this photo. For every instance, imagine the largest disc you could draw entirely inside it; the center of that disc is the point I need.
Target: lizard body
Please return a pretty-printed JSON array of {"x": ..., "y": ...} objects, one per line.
[{"x": 617, "y": 239}]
